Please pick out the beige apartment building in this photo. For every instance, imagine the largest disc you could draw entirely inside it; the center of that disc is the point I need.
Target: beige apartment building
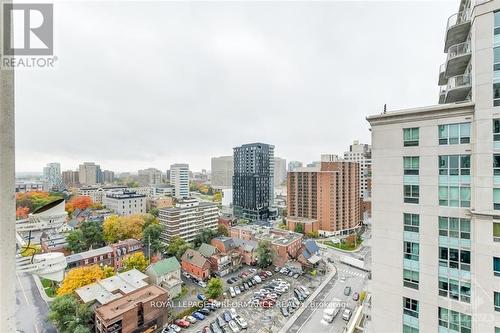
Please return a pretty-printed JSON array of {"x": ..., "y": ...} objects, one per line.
[{"x": 325, "y": 198}]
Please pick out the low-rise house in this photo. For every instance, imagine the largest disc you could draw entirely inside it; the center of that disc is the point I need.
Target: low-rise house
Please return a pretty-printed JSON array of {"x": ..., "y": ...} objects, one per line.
[
  {"x": 195, "y": 264},
  {"x": 166, "y": 273},
  {"x": 123, "y": 249},
  {"x": 247, "y": 249},
  {"x": 227, "y": 246},
  {"x": 309, "y": 254}
]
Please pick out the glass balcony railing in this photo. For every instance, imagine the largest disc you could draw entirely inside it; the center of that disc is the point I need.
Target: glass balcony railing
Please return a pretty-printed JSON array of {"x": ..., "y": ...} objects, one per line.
[
  {"x": 442, "y": 78},
  {"x": 458, "y": 50},
  {"x": 457, "y": 29},
  {"x": 459, "y": 81}
]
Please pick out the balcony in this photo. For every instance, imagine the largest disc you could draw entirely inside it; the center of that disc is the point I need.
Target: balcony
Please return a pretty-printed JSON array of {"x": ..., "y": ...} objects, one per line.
[
  {"x": 457, "y": 89},
  {"x": 458, "y": 58},
  {"x": 457, "y": 29},
  {"x": 442, "y": 78}
]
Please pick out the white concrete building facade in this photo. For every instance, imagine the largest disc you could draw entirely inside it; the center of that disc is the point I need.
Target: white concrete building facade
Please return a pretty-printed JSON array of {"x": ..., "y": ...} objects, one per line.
[
  {"x": 436, "y": 192},
  {"x": 179, "y": 178}
]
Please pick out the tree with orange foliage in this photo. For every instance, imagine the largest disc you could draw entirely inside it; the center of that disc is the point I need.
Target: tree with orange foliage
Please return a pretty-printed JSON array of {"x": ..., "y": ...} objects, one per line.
[
  {"x": 22, "y": 212},
  {"x": 79, "y": 277},
  {"x": 35, "y": 199},
  {"x": 116, "y": 228},
  {"x": 81, "y": 202}
]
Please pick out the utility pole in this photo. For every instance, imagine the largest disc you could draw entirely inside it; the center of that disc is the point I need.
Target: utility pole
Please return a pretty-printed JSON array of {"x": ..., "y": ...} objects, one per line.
[{"x": 7, "y": 199}]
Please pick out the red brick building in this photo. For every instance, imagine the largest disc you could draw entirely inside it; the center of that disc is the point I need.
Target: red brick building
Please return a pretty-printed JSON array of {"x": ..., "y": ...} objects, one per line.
[{"x": 195, "y": 264}]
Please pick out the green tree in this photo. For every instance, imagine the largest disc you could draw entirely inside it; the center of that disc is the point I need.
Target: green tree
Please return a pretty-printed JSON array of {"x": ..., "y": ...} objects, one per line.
[
  {"x": 217, "y": 197},
  {"x": 137, "y": 261},
  {"x": 69, "y": 315},
  {"x": 205, "y": 236},
  {"x": 265, "y": 254},
  {"x": 151, "y": 236},
  {"x": 215, "y": 287},
  {"x": 92, "y": 234},
  {"x": 154, "y": 211},
  {"x": 176, "y": 247},
  {"x": 299, "y": 227},
  {"x": 222, "y": 230},
  {"x": 76, "y": 241}
]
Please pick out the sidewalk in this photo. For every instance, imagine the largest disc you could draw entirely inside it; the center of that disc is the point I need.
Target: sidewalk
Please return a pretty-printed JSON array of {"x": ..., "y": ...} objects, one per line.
[
  {"x": 309, "y": 300},
  {"x": 41, "y": 289}
]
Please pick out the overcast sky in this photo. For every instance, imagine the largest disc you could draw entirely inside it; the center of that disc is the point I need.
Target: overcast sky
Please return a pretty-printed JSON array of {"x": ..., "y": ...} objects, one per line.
[{"x": 142, "y": 85}]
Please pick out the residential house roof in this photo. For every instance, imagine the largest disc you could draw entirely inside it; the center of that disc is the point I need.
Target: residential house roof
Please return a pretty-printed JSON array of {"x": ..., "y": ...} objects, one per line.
[
  {"x": 247, "y": 245},
  {"x": 194, "y": 257},
  {"x": 207, "y": 250},
  {"x": 227, "y": 241},
  {"x": 164, "y": 266}
]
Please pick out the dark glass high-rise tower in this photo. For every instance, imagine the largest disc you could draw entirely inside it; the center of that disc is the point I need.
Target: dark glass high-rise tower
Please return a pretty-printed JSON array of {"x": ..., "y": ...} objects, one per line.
[{"x": 253, "y": 181}]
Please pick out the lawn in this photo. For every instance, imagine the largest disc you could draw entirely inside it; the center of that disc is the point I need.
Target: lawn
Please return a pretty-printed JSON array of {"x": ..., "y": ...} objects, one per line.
[
  {"x": 343, "y": 245},
  {"x": 49, "y": 287}
]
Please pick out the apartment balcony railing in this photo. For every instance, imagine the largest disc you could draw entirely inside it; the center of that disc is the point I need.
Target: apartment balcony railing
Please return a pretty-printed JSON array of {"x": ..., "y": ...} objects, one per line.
[
  {"x": 458, "y": 89},
  {"x": 458, "y": 58},
  {"x": 457, "y": 29},
  {"x": 442, "y": 78}
]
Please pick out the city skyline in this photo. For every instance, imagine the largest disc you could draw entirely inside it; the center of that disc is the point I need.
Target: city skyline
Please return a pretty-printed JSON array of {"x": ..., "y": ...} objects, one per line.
[{"x": 266, "y": 80}]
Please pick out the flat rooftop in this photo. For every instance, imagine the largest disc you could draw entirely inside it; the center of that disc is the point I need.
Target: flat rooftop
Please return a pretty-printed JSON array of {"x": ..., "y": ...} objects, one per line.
[{"x": 125, "y": 303}]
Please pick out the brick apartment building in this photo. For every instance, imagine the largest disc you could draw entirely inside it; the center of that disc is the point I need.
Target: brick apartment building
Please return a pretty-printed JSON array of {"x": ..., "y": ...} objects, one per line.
[
  {"x": 110, "y": 255},
  {"x": 325, "y": 198},
  {"x": 246, "y": 249},
  {"x": 134, "y": 312}
]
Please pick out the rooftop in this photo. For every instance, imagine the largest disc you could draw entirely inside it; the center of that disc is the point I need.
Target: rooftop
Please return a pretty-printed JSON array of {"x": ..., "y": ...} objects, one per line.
[
  {"x": 124, "y": 303},
  {"x": 89, "y": 254},
  {"x": 164, "y": 266},
  {"x": 106, "y": 290},
  {"x": 194, "y": 257},
  {"x": 124, "y": 195}
]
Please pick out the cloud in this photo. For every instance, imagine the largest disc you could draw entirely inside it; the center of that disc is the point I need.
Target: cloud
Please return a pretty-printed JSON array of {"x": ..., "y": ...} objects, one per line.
[{"x": 142, "y": 84}]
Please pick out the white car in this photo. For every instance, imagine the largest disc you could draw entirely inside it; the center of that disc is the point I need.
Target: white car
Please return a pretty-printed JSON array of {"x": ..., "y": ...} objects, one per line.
[
  {"x": 257, "y": 279},
  {"x": 202, "y": 284},
  {"x": 237, "y": 290},
  {"x": 233, "y": 313},
  {"x": 346, "y": 315},
  {"x": 305, "y": 290},
  {"x": 232, "y": 292},
  {"x": 191, "y": 319},
  {"x": 233, "y": 326},
  {"x": 174, "y": 327},
  {"x": 242, "y": 322},
  {"x": 329, "y": 314}
]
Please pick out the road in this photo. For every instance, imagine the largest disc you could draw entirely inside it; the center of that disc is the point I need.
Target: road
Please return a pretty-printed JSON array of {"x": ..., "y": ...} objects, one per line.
[{"x": 31, "y": 309}]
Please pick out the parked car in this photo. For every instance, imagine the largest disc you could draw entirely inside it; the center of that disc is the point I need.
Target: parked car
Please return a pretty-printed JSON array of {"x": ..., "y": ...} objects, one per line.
[
  {"x": 232, "y": 292},
  {"x": 257, "y": 279},
  {"x": 215, "y": 302},
  {"x": 237, "y": 290},
  {"x": 182, "y": 323},
  {"x": 230, "y": 281},
  {"x": 329, "y": 314},
  {"x": 305, "y": 290},
  {"x": 296, "y": 275},
  {"x": 284, "y": 311},
  {"x": 167, "y": 330},
  {"x": 227, "y": 316},
  {"x": 346, "y": 315},
  {"x": 347, "y": 291},
  {"x": 220, "y": 321},
  {"x": 186, "y": 275},
  {"x": 174, "y": 327},
  {"x": 233, "y": 326},
  {"x": 191, "y": 319},
  {"x": 198, "y": 315},
  {"x": 204, "y": 311},
  {"x": 290, "y": 274},
  {"x": 215, "y": 327},
  {"x": 276, "y": 269},
  {"x": 226, "y": 329},
  {"x": 201, "y": 297},
  {"x": 241, "y": 321},
  {"x": 342, "y": 278},
  {"x": 355, "y": 296},
  {"x": 202, "y": 284},
  {"x": 206, "y": 329},
  {"x": 233, "y": 313}
]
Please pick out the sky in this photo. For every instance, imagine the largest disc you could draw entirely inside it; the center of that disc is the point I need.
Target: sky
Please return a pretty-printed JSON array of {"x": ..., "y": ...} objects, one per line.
[{"x": 149, "y": 84}]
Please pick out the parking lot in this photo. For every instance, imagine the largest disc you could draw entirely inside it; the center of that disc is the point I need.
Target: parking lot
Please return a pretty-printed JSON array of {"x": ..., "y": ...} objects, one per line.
[{"x": 257, "y": 314}]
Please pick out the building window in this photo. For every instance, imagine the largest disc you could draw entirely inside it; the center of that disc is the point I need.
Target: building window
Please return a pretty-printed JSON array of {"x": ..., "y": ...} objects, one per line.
[
  {"x": 496, "y": 232},
  {"x": 410, "y": 278},
  {"x": 496, "y": 29},
  {"x": 410, "y": 137},
  {"x": 454, "y": 289},
  {"x": 410, "y": 165},
  {"x": 454, "y": 227},
  {"x": 411, "y": 222},
  {"x": 496, "y": 296},
  {"x": 454, "y": 321},
  {"x": 410, "y": 307},
  {"x": 454, "y": 196},
  {"x": 454, "y": 165},
  {"x": 453, "y": 134},
  {"x": 496, "y": 266},
  {"x": 496, "y": 129},
  {"x": 496, "y": 198},
  {"x": 411, "y": 194},
  {"x": 409, "y": 329},
  {"x": 411, "y": 250},
  {"x": 454, "y": 258}
]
